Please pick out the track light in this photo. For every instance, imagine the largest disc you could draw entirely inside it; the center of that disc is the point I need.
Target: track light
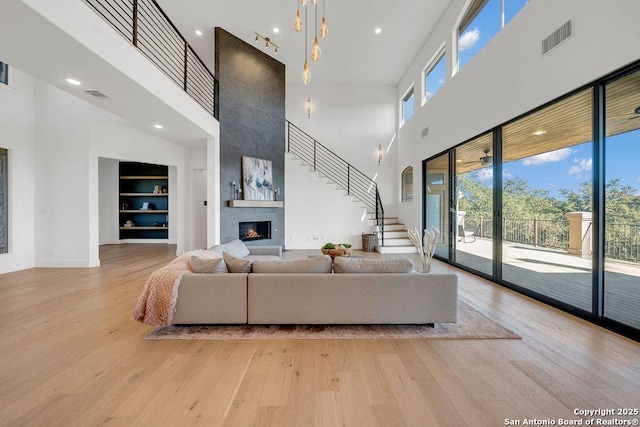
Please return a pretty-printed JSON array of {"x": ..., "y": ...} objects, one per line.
[{"x": 267, "y": 43}]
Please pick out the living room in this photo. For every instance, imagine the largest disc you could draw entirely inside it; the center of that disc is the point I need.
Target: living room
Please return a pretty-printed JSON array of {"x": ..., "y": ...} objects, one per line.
[{"x": 61, "y": 142}]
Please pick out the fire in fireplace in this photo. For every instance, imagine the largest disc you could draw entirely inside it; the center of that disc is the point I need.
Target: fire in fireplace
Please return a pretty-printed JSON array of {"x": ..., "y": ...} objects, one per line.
[{"x": 256, "y": 230}]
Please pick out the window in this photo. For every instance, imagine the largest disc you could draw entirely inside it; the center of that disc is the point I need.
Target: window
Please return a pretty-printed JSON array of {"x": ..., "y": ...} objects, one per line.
[
  {"x": 406, "y": 106},
  {"x": 434, "y": 75},
  {"x": 481, "y": 21},
  {"x": 4, "y": 73},
  {"x": 407, "y": 185},
  {"x": 535, "y": 205}
]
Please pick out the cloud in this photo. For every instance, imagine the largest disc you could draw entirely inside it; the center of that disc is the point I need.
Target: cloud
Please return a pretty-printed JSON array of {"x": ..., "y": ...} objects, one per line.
[
  {"x": 551, "y": 156},
  {"x": 581, "y": 165},
  {"x": 469, "y": 39},
  {"x": 506, "y": 173},
  {"x": 485, "y": 174}
]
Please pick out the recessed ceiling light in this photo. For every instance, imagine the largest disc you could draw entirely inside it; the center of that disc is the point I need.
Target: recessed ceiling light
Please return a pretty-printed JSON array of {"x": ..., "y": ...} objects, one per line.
[
  {"x": 539, "y": 132},
  {"x": 198, "y": 33},
  {"x": 158, "y": 126},
  {"x": 276, "y": 30},
  {"x": 378, "y": 30},
  {"x": 73, "y": 82}
]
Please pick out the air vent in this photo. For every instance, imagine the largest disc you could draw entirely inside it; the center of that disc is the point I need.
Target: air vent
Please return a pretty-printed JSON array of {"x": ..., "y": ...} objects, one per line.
[
  {"x": 558, "y": 37},
  {"x": 425, "y": 131},
  {"x": 97, "y": 94}
]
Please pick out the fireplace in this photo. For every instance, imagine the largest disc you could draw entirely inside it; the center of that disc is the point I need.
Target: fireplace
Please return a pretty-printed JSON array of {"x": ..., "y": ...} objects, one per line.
[{"x": 256, "y": 230}]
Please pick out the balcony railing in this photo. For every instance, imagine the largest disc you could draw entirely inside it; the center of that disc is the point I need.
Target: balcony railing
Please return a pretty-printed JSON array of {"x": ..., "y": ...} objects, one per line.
[
  {"x": 146, "y": 26},
  {"x": 622, "y": 241}
]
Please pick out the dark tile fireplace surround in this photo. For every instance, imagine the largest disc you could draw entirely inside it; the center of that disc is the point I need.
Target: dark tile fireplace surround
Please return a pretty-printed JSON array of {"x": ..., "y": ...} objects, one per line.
[{"x": 252, "y": 123}]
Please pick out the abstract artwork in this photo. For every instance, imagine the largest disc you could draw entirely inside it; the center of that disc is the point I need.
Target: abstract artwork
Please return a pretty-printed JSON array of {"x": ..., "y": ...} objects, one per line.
[{"x": 257, "y": 179}]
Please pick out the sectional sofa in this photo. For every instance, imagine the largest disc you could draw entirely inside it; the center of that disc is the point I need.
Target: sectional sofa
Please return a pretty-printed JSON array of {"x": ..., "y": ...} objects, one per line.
[{"x": 317, "y": 291}]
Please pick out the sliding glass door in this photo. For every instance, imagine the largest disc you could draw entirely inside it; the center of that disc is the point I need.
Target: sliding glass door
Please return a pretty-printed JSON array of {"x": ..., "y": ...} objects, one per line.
[
  {"x": 437, "y": 201},
  {"x": 473, "y": 204},
  {"x": 622, "y": 201},
  {"x": 546, "y": 201},
  {"x": 549, "y": 203}
]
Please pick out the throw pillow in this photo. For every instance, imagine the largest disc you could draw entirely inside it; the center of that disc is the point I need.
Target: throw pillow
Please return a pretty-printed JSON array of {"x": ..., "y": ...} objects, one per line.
[
  {"x": 218, "y": 249},
  {"x": 372, "y": 265},
  {"x": 320, "y": 264},
  {"x": 208, "y": 265},
  {"x": 237, "y": 265},
  {"x": 237, "y": 248}
]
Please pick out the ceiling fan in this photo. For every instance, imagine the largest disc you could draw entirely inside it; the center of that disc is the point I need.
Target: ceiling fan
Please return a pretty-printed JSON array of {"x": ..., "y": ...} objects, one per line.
[
  {"x": 485, "y": 160},
  {"x": 634, "y": 116}
]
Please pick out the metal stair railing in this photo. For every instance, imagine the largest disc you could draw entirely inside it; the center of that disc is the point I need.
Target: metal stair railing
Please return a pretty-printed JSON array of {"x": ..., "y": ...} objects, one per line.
[
  {"x": 337, "y": 170},
  {"x": 147, "y": 27}
]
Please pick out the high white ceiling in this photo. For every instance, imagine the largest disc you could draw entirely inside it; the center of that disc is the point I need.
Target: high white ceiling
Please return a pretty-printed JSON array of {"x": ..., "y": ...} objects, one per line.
[{"x": 351, "y": 54}]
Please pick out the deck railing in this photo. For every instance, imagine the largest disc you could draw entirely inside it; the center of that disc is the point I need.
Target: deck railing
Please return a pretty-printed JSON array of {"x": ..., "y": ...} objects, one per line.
[
  {"x": 146, "y": 26},
  {"x": 622, "y": 241}
]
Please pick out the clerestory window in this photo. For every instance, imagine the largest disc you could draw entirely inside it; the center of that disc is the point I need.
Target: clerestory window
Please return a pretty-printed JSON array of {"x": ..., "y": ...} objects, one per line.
[
  {"x": 434, "y": 74},
  {"x": 482, "y": 20},
  {"x": 406, "y": 106}
]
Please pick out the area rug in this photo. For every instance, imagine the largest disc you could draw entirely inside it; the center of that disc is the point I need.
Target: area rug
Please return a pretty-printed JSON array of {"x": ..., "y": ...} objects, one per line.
[{"x": 471, "y": 325}]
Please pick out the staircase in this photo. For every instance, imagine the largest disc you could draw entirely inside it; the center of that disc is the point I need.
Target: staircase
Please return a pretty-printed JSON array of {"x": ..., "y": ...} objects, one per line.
[
  {"x": 392, "y": 235},
  {"x": 337, "y": 171},
  {"x": 396, "y": 238}
]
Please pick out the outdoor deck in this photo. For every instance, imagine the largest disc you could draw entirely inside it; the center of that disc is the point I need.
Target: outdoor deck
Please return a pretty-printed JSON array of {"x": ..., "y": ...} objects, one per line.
[{"x": 564, "y": 277}]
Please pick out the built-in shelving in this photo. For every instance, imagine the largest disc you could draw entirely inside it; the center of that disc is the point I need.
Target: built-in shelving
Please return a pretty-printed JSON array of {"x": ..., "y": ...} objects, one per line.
[{"x": 144, "y": 201}]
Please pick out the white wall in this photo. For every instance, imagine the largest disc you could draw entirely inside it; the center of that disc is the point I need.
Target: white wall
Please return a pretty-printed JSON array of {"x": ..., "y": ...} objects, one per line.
[
  {"x": 62, "y": 187},
  {"x": 352, "y": 121},
  {"x": 508, "y": 77},
  {"x": 63, "y": 182},
  {"x": 17, "y": 135},
  {"x": 109, "y": 201},
  {"x": 316, "y": 213}
]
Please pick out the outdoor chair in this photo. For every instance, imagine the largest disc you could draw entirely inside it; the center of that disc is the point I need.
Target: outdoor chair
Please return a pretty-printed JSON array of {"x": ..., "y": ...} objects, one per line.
[{"x": 463, "y": 235}]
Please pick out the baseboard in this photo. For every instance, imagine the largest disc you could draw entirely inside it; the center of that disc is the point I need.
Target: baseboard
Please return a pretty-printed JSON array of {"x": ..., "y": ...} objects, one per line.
[{"x": 68, "y": 264}]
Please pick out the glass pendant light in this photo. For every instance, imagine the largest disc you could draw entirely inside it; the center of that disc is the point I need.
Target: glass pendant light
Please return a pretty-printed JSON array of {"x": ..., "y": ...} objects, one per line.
[
  {"x": 306, "y": 73},
  {"x": 324, "y": 30},
  {"x": 297, "y": 25},
  {"x": 303, "y": 2},
  {"x": 309, "y": 107},
  {"x": 316, "y": 53}
]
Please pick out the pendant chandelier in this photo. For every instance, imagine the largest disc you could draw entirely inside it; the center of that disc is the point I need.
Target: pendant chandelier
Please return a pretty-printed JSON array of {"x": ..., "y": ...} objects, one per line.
[
  {"x": 316, "y": 52},
  {"x": 299, "y": 25}
]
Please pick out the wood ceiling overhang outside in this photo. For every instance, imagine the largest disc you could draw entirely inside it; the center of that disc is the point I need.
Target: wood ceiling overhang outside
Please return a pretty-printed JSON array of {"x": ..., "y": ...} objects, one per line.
[{"x": 565, "y": 124}]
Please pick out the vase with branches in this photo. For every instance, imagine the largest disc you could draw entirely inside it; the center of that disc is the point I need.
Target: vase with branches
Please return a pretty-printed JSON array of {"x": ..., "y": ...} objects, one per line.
[{"x": 426, "y": 245}]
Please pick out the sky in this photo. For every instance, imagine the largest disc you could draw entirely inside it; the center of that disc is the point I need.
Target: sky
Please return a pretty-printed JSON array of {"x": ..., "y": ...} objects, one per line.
[{"x": 568, "y": 167}]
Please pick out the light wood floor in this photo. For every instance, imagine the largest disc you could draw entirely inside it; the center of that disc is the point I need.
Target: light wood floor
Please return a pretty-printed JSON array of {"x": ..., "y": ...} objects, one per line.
[{"x": 71, "y": 355}]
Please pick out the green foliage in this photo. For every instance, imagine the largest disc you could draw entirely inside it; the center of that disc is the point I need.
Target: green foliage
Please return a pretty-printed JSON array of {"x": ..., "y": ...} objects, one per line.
[
  {"x": 520, "y": 201},
  {"x": 329, "y": 246}
]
